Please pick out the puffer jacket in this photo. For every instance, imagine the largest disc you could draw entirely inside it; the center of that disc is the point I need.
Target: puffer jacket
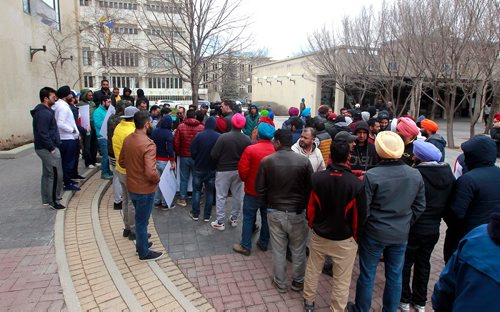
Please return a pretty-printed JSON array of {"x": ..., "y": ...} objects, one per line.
[
  {"x": 249, "y": 163},
  {"x": 184, "y": 136}
]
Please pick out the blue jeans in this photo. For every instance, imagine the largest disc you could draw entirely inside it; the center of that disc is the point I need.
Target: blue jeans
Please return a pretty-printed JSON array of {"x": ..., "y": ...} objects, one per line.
[
  {"x": 201, "y": 178},
  {"x": 250, "y": 206},
  {"x": 187, "y": 165},
  {"x": 370, "y": 251},
  {"x": 103, "y": 147},
  {"x": 143, "y": 204},
  {"x": 160, "y": 166}
]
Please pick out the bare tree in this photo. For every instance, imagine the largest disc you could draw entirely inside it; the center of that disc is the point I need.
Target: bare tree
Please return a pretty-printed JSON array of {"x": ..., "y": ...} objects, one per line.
[
  {"x": 60, "y": 50},
  {"x": 189, "y": 33}
]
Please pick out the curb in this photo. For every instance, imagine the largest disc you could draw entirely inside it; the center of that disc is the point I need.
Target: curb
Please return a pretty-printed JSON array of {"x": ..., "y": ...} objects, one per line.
[{"x": 18, "y": 152}]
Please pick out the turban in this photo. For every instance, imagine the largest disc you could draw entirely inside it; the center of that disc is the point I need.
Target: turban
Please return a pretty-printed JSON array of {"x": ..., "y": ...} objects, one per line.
[
  {"x": 407, "y": 127},
  {"x": 293, "y": 111},
  {"x": 426, "y": 151},
  {"x": 429, "y": 125},
  {"x": 389, "y": 145},
  {"x": 238, "y": 121}
]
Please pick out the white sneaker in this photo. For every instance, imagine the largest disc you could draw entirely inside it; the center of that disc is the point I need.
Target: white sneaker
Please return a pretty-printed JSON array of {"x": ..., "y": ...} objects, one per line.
[
  {"x": 404, "y": 307},
  {"x": 234, "y": 222},
  {"x": 91, "y": 167},
  {"x": 217, "y": 226},
  {"x": 419, "y": 308}
]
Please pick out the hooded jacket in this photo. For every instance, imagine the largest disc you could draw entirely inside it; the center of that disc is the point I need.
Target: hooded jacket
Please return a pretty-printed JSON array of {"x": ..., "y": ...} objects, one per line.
[
  {"x": 184, "y": 135},
  {"x": 315, "y": 158},
  {"x": 202, "y": 146},
  {"x": 252, "y": 121},
  {"x": 98, "y": 95},
  {"x": 477, "y": 194},
  {"x": 92, "y": 105},
  {"x": 141, "y": 96},
  {"x": 439, "y": 183},
  {"x": 438, "y": 141},
  {"x": 250, "y": 162},
  {"x": 127, "y": 97},
  {"x": 363, "y": 157},
  {"x": 45, "y": 132},
  {"x": 113, "y": 121},
  {"x": 164, "y": 139}
]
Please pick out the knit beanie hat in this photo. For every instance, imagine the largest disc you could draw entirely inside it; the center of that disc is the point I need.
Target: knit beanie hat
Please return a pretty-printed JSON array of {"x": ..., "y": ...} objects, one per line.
[
  {"x": 264, "y": 113},
  {"x": 306, "y": 112},
  {"x": 426, "y": 151},
  {"x": 266, "y": 129},
  {"x": 407, "y": 127},
  {"x": 293, "y": 111},
  {"x": 220, "y": 125},
  {"x": 331, "y": 116},
  {"x": 389, "y": 145},
  {"x": 365, "y": 116},
  {"x": 63, "y": 92},
  {"x": 238, "y": 121},
  {"x": 497, "y": 116},
  {"x": 429, "y": 125}
]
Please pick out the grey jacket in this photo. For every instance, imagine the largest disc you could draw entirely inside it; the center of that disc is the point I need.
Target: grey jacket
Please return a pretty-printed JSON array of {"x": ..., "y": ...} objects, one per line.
[{"x": 395, "y": 196}]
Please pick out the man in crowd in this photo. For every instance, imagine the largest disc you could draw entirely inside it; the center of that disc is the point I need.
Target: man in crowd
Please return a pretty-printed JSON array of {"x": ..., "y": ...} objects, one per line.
[
  {"x": 336, "y": 211},
  {"x": 383, "y": 119},
  {"x": 495, "y": 132},
  {"x": 476, "y": 195},
  {"x": 296, "y": 126},
  {"x": 227, "y": 108},
  {"x": 138, "y": 157},
  {"x": 428, "y": 130},
  {"x": 306, "y": 146},
  {"x": 247, "y": 169},
  {"x": 183, "y": 137},
  {"x": 204, "y": 169},
  {"x": 408, "y": 131},
  {"x": 122, "y": 130},
  {"x": 89, "y": 138},
  {"x": 47, "y": 142},
  {"x": 99, "y": 94},
  {"x": 292, "y": 112},
  {"x": 227, "y": 153},
  {"x": 392, "y": 207},
  {"x": 127, "y": 95},
  {"x": 69, "y": 134},
  {"x": 424, "y": 233},
  {"x": 154, "y": 114},
  {"x": 179, "y": 116},
  {"x": 99, "y": 115},
  {"x": 115, "y": 97},
  {"x": 252, "y": 120},
  {"x": 363, "y": 156},
  {"x": 374, "y": 127},
  {"x": 164, "y": 140},
  {"x": 284, "y": 183},
  {"x": 323, "y": 139}
]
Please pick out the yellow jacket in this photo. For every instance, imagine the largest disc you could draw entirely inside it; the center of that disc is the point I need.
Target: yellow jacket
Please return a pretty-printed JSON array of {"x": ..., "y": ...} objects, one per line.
[{"x": 122, "y": 130}]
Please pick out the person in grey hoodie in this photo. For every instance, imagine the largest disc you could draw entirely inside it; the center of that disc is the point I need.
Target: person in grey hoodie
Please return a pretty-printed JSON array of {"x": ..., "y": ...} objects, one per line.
[{"x": 395, "y": 196}]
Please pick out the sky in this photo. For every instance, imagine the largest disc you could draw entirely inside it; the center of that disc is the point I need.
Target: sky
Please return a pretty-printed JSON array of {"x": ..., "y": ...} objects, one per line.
[{"x": 282, "y": 25}]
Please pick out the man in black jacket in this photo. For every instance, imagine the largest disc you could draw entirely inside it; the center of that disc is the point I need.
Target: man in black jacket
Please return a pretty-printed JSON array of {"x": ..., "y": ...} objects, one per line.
[
  {"x": 337, "y": 208},
  {"x": 364, "y": 156},
  {"x": 100, "y": 94},
  {"x": 47, "y": 142},
  {"x": 424, "y": 234},
  {"x": 284, "y": 183}
]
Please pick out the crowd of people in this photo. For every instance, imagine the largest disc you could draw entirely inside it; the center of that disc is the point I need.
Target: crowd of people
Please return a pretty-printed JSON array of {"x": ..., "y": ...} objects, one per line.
[{"x": 327, "y": 188}]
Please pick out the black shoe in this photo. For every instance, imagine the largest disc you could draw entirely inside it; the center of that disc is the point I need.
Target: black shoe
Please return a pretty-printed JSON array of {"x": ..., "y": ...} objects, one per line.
[
  {"x": 261, "y": 247},
  {"x": 308, "y": 307},
  {"x": 296, "y": 286},
  {"x": 126, "y": 233},
  {"x": 78, "y": 177},
  {"x": 151, "y": 256},
  {"x": 57, "y": 206},
  {"x": 150, "y": 244},
  {"x": 117, "y": 206},
  {"x": 350, "y": 307}
]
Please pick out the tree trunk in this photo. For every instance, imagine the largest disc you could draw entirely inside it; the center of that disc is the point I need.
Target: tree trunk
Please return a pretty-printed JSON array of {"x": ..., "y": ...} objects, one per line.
[{"x": 449, "y": 127}]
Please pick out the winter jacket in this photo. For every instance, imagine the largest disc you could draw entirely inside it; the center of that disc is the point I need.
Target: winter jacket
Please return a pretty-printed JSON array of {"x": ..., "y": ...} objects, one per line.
[
  {"x": 202, "y": 146},
  {"x": 364, "y": 157},
  {"x": 138, "y": 157},
  {"x": 185, "y": 134},
  {"x": 45, "y": 132},
  {"x": 459, "y": 167},
  {"x": 113, "y": 121},
  {"x": 141, "y": 97},
  {"x": 296, "y": 135},
  {"x": 98, "y": 95},
  {"x": 477, "y": 193},
  {"x": 471, "y": 279},
  {"x": 395, "y": 195},
  {"x": 92, "y": 105},
  {"x": 284, "y": 181},
  {"x": 251, "y": 123},
  {"x": 407, "y": 156},
  {"x": 65, "y": 120},
  {"x": 325, "y": 140},
  {"x": 98, "y": 117},
  {"x": 164, "y": 139},
  {"x": 227, "y": 119},
  {"x": 127, "y": 97},
  {"x": 337, "y": 205},
  {"x": 336, "y": 129},
  {"x": 495, "y": 135},
  {"x": 250, "y": 162},
  {"x": 316, "y": 158},
  {"x": 439, "y": 183},
  {"x": 228, "y": 150},
  {"x": 438, "y": 141},
  {"x": 122, "y": 130}
]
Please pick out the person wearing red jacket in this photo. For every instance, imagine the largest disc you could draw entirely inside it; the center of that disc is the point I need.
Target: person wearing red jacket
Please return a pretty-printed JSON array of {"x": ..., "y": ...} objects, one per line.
[
  {"x": 183, "y": 137},
  {"x": 248, "y": 167}
]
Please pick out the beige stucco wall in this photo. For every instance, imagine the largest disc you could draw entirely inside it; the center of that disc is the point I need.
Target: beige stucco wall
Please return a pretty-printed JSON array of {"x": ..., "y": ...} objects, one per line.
[
  {"x": 302, "y": 83},
  {"x": 22, "y": 79}
]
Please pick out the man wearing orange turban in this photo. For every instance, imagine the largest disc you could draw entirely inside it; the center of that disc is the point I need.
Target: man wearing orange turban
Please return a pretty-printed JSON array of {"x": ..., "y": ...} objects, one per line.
[{"x": 429, "y": 129}]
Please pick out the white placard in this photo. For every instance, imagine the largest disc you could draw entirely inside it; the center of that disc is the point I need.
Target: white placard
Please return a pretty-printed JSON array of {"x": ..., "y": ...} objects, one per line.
[
  {"x": 84, "y": 111},
  {"x": 104, "y": 127},
  {"x": 168, "y": 185}
]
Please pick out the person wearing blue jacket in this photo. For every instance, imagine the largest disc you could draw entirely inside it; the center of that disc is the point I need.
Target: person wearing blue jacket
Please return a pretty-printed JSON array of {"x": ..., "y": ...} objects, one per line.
[
  {"x": 477, "y": 194},
  {"x": 47, "y": 142},
  {"x": 164, "y": 140},
  {"x": 204, "y": 169},
  {"x": 98, "y": 117},
  {"x": 471, "y": 279}
]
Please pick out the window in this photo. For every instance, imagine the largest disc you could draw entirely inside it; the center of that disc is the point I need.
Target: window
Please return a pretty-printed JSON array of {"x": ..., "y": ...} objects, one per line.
[
  {"x": 85, "y": 2},
  {"x": 125, "y": 30},
  {"x": 26, "y": 6},
  {"x": 249, "y": 88},
  {"x": 163, "y": 32},
  {"x": 88, "y": 80},
  {"x": 163, "y": 7},
  {"x": 123, "y": 80},
  {"x": 167, "y": 61},
  {"x": 161, "y": 82},
  {"x": 373, "y": 66},
  {"x": 88, "y": 57},
  {"x": 117, "y": 5},
  {"x": 127, "y": 58},
  {"x": 392, "y": 67}
]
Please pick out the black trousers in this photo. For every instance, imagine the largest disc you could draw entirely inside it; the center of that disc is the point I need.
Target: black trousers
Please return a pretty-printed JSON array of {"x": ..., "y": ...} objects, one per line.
[
  {"x": 90, "y": 148},
  {"x": 68, "y": 158},
  {"x": 418, "y": 254}
]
